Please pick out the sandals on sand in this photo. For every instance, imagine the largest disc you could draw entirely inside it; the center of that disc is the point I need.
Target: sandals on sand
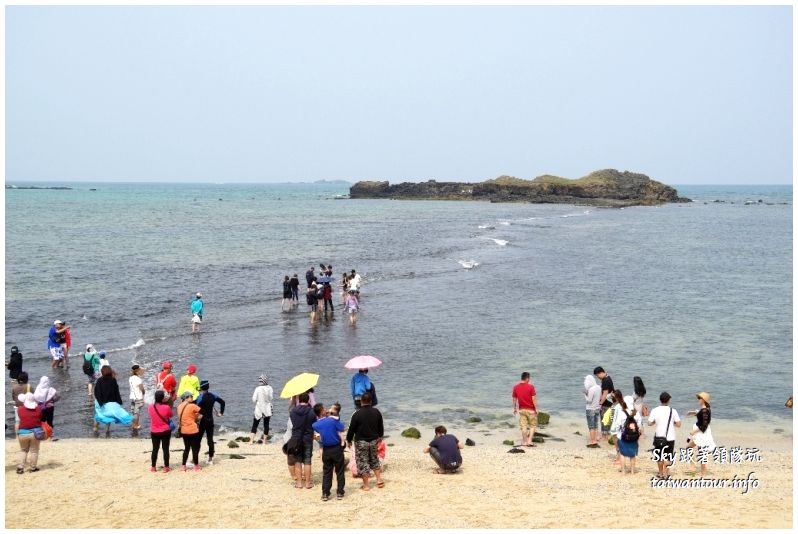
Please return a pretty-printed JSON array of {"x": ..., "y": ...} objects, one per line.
[{"x": 381, "y": 484}]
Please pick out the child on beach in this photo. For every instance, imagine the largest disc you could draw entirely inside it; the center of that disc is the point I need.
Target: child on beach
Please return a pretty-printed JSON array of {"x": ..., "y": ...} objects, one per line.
[{"x": 352, "y": 307}]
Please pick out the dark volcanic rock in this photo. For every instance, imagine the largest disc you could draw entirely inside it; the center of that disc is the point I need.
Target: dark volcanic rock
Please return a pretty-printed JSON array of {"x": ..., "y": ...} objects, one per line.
[
  {"x": 607, "y": 187},
  {"x": 470, "y": 442}
]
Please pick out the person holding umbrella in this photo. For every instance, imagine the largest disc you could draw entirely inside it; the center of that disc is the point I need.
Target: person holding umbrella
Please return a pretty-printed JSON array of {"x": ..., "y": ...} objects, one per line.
[{"x": 360, "y": 382}]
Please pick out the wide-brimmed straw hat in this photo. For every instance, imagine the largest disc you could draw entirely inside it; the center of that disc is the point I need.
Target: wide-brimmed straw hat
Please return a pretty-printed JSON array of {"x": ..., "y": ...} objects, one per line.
[{"x": 704, "y": 396}]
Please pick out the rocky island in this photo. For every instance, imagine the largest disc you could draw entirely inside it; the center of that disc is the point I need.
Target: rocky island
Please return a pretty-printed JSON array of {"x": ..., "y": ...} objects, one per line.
[{"x": 608, "y": 188}]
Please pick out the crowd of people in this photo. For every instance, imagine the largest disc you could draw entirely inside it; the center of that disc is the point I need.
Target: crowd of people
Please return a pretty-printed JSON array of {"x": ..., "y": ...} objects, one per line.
[
  {"x": 612, "y": 417},
  {"x": 319, "y": 293}
]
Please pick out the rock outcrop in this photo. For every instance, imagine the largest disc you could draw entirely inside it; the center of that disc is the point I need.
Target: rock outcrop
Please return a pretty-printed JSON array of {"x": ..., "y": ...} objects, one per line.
[{"x": 607, "y": 187}]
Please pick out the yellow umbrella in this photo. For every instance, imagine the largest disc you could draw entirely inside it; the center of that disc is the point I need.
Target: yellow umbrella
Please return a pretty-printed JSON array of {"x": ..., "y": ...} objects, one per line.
[{"x": 299, "y": 384}]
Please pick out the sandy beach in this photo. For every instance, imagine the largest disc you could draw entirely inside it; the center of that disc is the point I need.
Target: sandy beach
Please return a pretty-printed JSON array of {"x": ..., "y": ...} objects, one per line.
[{"x": 558, "y": 484}]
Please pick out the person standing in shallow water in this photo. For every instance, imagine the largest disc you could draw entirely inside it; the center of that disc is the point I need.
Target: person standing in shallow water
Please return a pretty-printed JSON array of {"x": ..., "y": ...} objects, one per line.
[
  {"x": 197, "y": 307},
  {"x": 294, "y": 283},
  {"x": 285, "y": 304}
]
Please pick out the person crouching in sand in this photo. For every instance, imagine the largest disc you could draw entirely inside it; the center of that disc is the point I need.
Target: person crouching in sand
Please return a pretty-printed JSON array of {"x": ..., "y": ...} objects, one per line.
[{"x": 445, "y": 450}]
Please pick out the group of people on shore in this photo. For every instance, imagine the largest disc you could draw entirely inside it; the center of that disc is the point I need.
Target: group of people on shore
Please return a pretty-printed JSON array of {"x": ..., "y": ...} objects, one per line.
[
  {"x": 319, "y": 292},
  {"x": 621, "y": 421}
]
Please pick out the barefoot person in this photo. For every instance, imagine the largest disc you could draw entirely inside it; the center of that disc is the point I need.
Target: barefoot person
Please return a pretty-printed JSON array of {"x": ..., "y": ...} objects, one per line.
[
  {"x": 55, "y": 342},
  {"x": 445, "y": 450},
  {"x": 525, "y": 405},
  {"x": 366, "y": 429}
]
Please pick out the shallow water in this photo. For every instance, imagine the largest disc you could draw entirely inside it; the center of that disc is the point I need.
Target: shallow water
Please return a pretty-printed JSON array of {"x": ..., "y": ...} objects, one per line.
[{"x": 689, "y": 297}]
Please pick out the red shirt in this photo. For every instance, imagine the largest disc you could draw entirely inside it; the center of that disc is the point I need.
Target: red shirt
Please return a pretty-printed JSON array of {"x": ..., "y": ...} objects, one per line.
[
  {"x": 524, "y": 391},
  {"x": 169, "y": 382},
  {"x": 67, "y": 338},
  {"x": 28, "y": 418}
]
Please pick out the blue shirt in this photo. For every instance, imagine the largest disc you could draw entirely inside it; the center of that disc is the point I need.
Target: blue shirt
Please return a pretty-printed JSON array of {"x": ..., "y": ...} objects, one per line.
[
  {"x": 328, "y": 429},
  {"x": 52, "y": 336},
  {"x": 196, "y": 306},
  {"x": 360, "y": 384}
]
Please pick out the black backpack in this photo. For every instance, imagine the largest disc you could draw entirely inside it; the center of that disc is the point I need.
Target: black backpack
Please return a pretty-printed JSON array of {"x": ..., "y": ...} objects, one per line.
[
  {"x": 88, "y": 368},
  {"x": 631, "y": 431}
]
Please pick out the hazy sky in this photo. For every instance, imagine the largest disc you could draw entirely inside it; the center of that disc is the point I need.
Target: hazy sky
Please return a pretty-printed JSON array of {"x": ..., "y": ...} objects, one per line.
[{"x": 687, "y": 95}]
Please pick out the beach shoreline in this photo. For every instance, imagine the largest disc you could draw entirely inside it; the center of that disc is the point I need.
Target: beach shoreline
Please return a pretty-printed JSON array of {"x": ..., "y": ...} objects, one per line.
[{"x": 558, "y": 484}]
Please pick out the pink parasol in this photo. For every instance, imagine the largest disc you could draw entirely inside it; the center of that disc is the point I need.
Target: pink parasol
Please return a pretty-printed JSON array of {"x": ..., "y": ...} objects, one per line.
[{"x": 364, "y": 361}]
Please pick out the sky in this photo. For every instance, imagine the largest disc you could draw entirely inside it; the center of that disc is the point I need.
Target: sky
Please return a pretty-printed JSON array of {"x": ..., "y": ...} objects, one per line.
[{"x": 684, "y": 94}]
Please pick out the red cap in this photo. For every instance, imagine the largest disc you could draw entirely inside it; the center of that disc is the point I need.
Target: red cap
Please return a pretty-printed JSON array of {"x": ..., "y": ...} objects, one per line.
[
  {"x": 192, "y": 368},
  {"x": 166, "y": 365}
]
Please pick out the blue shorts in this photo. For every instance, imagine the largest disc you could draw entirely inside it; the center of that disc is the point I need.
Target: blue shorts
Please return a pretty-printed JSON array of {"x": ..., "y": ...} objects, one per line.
[{"x": 592, "y": 419}]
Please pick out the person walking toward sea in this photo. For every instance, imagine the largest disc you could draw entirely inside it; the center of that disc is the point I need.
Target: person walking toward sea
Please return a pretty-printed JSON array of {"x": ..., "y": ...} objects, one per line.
[
  {"x": 445, "y": 450},
  {"x": 30, "y": 420},
  {"x": 136, "y": 394},
  {"x": 366, "y": 431},
  {"x": 286, "y": 302},
  {"x": 91, "y": 366},
  {"x": 206, "y": 401},
  {"x": 701, "y": 435},
  {"x": 197, "y": 307},
  {"x": 607, "y": 388},
  {"x": 108, "y": 403},
  {"x": 262, "y": 398},
  {"x": 312, "y": 301},
  {"x": 160, "y": 431},
  {"x": 332, "y": 454},
  {"x": 525, "y": 406},
  {"x": 294, "y": 283},
  {"x": 55, "y": 338},
  {"x": 302, "y": 419},
  {"x": 14, "y": 364},
  {"x": 592, "y": 393},
  {"x": 310, "y": 276},
  {"x": 188, "y": 415},
  {"x": 328, "y": 297},
  {"x": 666, "y": 420},
  {"x": 46, "y": 396},
  {"x": 189, "y": 382}
]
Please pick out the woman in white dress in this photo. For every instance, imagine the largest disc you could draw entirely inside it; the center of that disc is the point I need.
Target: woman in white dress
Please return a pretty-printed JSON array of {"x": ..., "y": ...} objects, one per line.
[{"x": 701, "y": 434}]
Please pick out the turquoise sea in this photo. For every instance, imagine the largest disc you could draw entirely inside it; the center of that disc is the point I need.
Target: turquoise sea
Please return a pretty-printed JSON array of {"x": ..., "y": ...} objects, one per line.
[{"x": 690, "y": 297}]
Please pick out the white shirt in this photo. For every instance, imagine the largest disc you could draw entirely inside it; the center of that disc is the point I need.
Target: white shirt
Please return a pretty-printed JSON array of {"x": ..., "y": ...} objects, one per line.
[
  {"x": 659, "y": 415},
  {"x": 619, "y": 417},
  {"x": 135, "y": 390},
  {"x": 355, "y": 281},
  {"x": 262, "y": 397}
]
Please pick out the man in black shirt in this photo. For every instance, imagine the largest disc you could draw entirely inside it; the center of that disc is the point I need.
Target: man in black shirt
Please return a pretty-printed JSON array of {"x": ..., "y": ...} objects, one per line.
[
  {"x": 366, "y": 429},
  {"x": 205, "y": 401},
  {"x": 607, "y": 388}
]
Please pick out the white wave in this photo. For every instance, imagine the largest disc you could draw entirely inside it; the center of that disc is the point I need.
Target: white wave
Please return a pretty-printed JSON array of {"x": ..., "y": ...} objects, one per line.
[
  {"x": 586, "y": 212},
  {"x": 500, "y": 242},
  {"x": 505, "y": 223},
  {"x": 486, "y": 227},
  {"x": 468, "y": 264},
  {"x": 135, "y": 345}
]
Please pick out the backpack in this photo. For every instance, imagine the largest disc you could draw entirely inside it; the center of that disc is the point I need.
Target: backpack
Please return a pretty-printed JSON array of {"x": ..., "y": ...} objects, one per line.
[
  {"x": 88, "y": 368},
  {"x": 630, "y": 432}
]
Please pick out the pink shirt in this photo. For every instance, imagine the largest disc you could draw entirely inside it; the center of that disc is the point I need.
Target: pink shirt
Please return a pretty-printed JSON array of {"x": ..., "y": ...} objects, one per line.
[{"x": 158, "y": 424}]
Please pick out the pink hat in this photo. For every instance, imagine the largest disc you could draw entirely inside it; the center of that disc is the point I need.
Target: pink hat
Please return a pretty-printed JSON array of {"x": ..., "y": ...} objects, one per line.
[
  {"x": 167, "y": 365},
  {"x": 192, "y": 368}
]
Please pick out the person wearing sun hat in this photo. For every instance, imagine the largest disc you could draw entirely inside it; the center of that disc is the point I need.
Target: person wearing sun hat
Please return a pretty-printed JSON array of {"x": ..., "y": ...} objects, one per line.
[
  {"x": 701, "y": 435},
  {"x": 189, "y": 382},
  {"x": 30, "y": 419},
  {"x": 197, "y": 307},
  {"x": 166, "y": 382}
]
